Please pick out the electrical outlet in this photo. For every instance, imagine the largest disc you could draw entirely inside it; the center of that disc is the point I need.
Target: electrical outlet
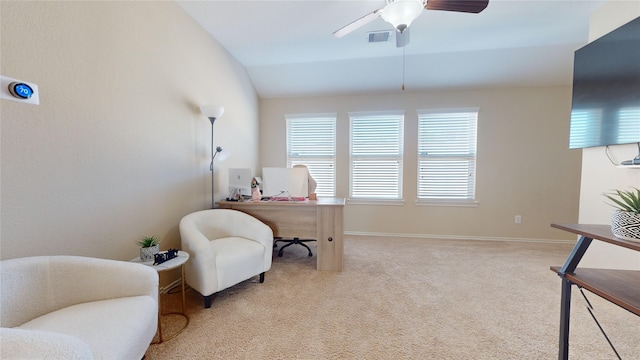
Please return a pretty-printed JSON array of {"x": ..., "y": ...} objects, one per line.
[{"x": 518, "y": 219}]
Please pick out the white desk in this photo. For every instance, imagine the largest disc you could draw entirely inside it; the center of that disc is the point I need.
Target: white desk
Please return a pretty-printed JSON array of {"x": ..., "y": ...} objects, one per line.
[{"x": 179, "y": 261}]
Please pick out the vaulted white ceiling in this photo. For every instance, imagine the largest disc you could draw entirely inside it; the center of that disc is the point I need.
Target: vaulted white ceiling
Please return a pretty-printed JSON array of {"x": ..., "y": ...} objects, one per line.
[{"x": 288, "y": 49}]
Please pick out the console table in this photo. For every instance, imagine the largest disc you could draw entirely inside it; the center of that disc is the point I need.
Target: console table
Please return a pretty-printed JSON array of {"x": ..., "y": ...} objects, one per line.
[
  {"x": 320, "y": 219},
  {"x": 621, "y": 287}
]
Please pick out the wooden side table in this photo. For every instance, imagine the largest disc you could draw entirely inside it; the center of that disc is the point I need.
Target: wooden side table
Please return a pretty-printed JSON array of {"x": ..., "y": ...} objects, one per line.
[
  {"x": 617, "y": 286},
  {"x": 179, "y": 261}
]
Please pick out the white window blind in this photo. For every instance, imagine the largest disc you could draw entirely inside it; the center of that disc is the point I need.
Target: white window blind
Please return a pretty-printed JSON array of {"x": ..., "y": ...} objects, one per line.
[
  {"x": 581, "y": 132},
  {"x": 628, "y": 125},
  {"x": 376, "y": 155},
  {"x": 447, "y": 154},
  {"x": 311, "y": 141}
]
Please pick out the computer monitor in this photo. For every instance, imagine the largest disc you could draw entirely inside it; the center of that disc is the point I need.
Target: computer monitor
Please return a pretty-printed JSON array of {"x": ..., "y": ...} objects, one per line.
[
  {"x": 239, "y": 182},
  {"x": 293, "y": 182}
]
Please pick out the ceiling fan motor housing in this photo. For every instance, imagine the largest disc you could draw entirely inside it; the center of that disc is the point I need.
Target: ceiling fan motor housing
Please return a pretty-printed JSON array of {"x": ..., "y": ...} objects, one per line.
[{"x": 401, "y": 13}]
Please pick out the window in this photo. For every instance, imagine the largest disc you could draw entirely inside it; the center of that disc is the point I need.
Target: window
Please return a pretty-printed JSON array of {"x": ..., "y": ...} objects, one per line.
[
  {"x": 628, "y": 125},
  {"x": 585, "y": 127},
  {"x": 311, "y": 141},
  {"x": 376, "y": 155},
  {"x": 447, "y": 155}
]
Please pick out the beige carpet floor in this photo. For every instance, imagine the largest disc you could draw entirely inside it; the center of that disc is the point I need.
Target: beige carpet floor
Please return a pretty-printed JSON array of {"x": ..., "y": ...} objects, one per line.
[{"x": 401, "y": 299}]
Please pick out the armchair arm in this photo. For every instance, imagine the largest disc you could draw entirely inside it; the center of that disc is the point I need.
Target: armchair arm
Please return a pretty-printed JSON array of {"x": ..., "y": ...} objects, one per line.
[
  {"x": 41, "y": 284},
  {"x": 192, "y": 239},
  {"x": 93, "y": 279},
  {"x": 201, "y": 256}
]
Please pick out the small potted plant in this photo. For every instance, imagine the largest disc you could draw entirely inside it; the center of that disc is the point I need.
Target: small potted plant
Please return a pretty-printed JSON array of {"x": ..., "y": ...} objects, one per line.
[
  {"x": 149, "y": 246},
  {"x": 625, "y": 219}
]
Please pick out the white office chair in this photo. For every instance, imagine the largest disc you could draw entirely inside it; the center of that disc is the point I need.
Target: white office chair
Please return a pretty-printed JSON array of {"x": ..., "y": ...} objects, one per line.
[{"x": 226, "y": 247}]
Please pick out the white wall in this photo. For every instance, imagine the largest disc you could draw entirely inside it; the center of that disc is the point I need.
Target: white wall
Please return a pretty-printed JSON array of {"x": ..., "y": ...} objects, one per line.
[
  {"x": 524, "y": 164},
  {"x": 117, "y": 148},
  {"x": 598, "y": 174}
]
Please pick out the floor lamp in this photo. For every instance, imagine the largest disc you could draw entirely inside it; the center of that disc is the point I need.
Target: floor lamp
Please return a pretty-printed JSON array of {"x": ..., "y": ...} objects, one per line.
[{"x": 213, "y": 112}]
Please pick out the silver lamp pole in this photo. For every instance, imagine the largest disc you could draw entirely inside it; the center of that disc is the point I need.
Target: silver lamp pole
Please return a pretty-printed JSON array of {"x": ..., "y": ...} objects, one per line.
[{"x": 213, "y": 112}]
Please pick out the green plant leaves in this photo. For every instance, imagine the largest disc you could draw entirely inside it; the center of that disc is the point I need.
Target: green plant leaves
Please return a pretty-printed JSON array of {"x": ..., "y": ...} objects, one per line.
[
  {"x": 148, "y": 241},
  {"x": 625, "y": 200}
]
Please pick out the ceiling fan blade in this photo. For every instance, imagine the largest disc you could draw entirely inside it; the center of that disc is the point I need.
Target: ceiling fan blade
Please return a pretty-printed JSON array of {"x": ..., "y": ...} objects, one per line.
[
  {"x": 402, "y": 38},
  {"x": 468, "y": 6},
  {"x": 358, "y": 23}
]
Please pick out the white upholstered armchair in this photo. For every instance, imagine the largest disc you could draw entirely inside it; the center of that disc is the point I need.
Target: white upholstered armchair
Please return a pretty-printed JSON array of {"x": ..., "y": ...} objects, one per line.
[
  {"x": 72, "y": 307},
  {"x": 226, "y": 247}
]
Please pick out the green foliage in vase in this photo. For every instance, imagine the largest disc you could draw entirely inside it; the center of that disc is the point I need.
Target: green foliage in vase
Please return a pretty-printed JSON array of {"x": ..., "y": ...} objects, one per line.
[
  {"x": 148, "y": 241},
  {"x": 625, "y": 200}
]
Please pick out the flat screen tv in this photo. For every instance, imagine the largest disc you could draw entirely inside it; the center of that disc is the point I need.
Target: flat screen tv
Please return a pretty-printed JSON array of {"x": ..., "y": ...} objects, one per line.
[{"x": 605, "y": 106}]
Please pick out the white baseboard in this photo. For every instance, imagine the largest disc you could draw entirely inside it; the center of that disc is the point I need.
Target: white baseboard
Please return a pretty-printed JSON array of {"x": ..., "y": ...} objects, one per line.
[{"x": 461, "y": 237}]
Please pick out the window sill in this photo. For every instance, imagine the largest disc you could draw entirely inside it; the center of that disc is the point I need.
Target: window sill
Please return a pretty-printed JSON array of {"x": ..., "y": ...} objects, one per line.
[
  {"x": 447, "y": 202},
  {"x": 375, "y": 202}
]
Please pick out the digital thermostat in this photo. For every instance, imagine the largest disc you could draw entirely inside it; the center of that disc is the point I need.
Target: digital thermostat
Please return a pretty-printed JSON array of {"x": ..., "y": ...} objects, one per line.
[{"x": 19, "y": 90}]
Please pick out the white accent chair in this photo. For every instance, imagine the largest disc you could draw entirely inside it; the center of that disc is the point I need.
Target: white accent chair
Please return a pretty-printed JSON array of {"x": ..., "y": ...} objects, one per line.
[
  {"x": 73, "y": 307},
  {"x": 226, "y": 247}
]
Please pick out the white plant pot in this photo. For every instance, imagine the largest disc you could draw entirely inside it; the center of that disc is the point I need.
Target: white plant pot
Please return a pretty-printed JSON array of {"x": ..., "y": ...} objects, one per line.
[
  {"x": 147, "y": 254},
  {"x": 625, "y": 225}
]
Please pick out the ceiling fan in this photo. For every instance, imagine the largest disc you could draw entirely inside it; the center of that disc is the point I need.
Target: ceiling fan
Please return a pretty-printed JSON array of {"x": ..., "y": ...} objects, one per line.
[{"x": 400, "y": 14}]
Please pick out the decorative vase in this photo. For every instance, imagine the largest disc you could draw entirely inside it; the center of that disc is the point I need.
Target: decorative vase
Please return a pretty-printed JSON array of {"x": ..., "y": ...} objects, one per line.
[
  {"x": 626, "y": 225},
  {"x": 147, "y": 253}
]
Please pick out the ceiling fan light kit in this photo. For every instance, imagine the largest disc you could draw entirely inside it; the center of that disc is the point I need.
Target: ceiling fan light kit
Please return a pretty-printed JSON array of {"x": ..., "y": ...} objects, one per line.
[{"x": 401, "y": 13}]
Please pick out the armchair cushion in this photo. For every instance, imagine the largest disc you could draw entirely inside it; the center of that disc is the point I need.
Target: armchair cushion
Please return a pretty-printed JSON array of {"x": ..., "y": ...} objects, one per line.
[
  {"x": 122, "y": 321},
  {"x": 234, "y": 260}
]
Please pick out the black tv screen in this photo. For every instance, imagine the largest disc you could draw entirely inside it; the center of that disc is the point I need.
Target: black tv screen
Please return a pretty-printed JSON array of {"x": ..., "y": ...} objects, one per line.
[{"x": 605, "y": 106}]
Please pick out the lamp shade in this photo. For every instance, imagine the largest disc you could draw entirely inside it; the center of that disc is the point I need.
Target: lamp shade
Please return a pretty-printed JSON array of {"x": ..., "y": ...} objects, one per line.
[
  {"x": 212, "y": 111},
  {"x": 401, "y": 13},
  {"x": 223, "y": 154}
]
